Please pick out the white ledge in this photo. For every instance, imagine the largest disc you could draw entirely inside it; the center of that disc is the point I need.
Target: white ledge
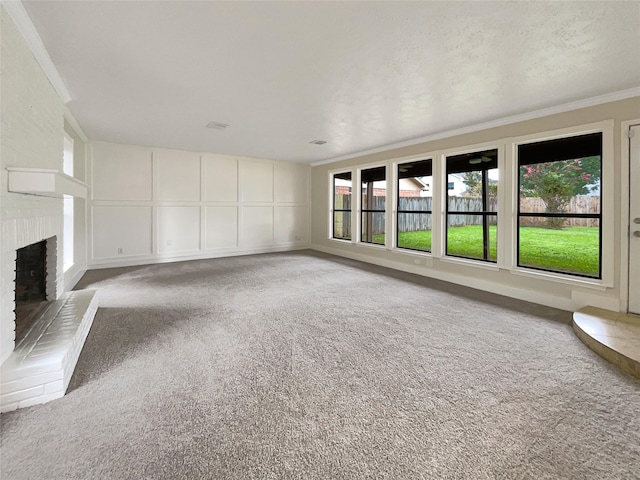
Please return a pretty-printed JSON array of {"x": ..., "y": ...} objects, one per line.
[
  {"x": 44, "y": 182},
  {"x": 562, "y": 278},
  {"x": 41, "y": 366}
]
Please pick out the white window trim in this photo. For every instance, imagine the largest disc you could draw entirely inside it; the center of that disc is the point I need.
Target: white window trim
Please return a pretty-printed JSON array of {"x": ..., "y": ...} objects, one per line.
[
  {"x": 503, "y": 193},
  {"x": 471, "y": 262},
  {"x": 507, "y": 205},
  {"x": 387, "y": 229},
  {"x": 567, "y": 278},
  {"x": 69, "y": 139},
  {"x": 69, "y": 221},
  {"x": 607, "y": 200},
  {"x": 332, "y": 174},
  {"x": 395, "y": 193}
]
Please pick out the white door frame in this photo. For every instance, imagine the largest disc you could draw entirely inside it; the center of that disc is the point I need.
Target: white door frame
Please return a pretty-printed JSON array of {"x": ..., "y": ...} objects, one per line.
[{"x": 625, "y": 220}]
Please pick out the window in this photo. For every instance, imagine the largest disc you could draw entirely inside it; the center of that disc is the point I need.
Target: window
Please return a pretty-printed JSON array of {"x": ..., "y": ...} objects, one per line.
[
  {"x": 559, "y": 205},
  {"x": 342, "y": 206},
  {"x": 472, "y": 219},
  {"x": 414, "y": 205},
  {"x": 68, "y": 206},
  {"x": 373, "y": 191}
]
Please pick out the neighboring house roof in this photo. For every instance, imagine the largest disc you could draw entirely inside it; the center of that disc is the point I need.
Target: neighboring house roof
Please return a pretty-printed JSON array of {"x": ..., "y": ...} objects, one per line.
[{"x": 418, "y": 182}]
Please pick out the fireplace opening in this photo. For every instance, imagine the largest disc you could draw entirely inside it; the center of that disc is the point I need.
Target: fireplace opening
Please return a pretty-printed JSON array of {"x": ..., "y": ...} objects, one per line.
[{"x": 30, "y": 286}]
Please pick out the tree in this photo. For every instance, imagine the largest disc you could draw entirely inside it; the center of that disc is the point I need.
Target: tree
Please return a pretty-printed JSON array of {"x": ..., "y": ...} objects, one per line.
[
  {"x": 557, "y": 182},
  {"x": 473, "y": 181}
]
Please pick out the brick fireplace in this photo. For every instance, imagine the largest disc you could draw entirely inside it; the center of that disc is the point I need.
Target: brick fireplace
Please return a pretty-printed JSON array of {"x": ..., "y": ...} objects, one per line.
[
  {"x": 50, "y": 329},
  {"x": 37, "y": 367},
  {"x": 39, "y": 356}
]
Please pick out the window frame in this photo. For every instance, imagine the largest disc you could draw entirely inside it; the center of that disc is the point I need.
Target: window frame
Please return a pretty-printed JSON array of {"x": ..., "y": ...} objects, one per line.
[
  {"x": 607, "y": 203},
  {"x": 484, "y": 213},
  {"x": 520, "y": 214},
  {"x": 333, "y": 210},
  {"x": 398, "y": 211},
  {"x": 68, "y": 205},
  {"x": 361, "y": 210},
  {"x": 507, "y": 235}
]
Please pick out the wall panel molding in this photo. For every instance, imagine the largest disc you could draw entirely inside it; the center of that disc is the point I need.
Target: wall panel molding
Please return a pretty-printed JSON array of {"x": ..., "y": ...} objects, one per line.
[{"x": 198, "y": 205}]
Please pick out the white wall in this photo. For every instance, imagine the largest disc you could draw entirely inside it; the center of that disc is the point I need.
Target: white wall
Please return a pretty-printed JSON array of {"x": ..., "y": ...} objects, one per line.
[
  {"x": 32, "y": 136},
  {"x": 152, "y": 205},
  {"x": 502, "y": 278}
]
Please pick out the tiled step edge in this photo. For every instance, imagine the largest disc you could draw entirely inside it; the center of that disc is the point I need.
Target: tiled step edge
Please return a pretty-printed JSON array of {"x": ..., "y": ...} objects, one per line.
[
  {"x": 612, "y": 335},
  {"x": 41, "y": 369}
]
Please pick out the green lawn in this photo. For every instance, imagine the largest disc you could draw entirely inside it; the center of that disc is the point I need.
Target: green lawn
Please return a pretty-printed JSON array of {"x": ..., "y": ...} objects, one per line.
[
  {"x": 416, "y": 240},
  {"x": 570, "y": 250},
  {"x": 467, "y": 241}
]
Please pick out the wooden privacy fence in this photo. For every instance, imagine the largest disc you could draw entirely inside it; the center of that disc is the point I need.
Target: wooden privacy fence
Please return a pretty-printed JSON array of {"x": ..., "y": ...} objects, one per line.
[
  {"x": 342, "y": 220},
  {"x": 470, "y": 204},
  {"x": 578, "y": 204},
  {"x": 414, "y": 222}
]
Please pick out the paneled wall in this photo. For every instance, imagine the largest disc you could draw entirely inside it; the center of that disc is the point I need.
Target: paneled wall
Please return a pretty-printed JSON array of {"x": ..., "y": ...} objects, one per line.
[{"x": 150, "y": 205}]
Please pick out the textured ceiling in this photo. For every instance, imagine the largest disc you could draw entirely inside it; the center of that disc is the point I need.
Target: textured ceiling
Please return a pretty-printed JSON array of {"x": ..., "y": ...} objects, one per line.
[{"x": 359, "y": 75}]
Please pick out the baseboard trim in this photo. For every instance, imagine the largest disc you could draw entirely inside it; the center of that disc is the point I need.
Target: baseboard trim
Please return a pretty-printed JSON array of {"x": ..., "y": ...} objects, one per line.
[
  {"x": 479, "y": 284},
  {"x": 152, "y": 260},
  {"x": 72, "y": 281}
]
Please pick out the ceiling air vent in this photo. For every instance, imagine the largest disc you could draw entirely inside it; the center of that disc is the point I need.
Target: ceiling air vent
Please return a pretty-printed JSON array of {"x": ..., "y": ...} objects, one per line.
[
  {"x": 217, "y": 125},
  {"x": 318, "y": 142}
]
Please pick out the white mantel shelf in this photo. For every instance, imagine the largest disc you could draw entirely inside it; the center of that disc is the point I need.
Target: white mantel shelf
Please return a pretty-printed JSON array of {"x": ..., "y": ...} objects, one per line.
[{"x": 44, "y": 182}]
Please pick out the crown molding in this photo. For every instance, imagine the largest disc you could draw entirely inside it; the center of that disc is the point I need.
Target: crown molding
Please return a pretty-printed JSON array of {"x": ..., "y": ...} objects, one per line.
[
  {"x": 68, "y": 116},
  {"x": 544, "y": 112},
  {"x": 23, "y": 24}
]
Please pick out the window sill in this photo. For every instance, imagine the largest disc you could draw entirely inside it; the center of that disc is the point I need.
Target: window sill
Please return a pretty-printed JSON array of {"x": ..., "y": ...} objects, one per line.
[
  {"x": 471, "y": 263},
  {"x": 560, "y": 278},
  {"x": 341, "y": 240},
  {"x": 377, "y": 246},
  {"x": 408, "y": 251}
]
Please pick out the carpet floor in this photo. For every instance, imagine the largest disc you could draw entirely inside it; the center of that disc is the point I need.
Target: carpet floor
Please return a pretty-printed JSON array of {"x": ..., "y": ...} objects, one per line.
[{"x": 307, "y": 366}]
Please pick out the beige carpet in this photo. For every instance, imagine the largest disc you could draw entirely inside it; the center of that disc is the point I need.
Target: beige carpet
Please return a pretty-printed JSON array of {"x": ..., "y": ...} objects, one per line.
[{"x": 307, "y": 366}]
